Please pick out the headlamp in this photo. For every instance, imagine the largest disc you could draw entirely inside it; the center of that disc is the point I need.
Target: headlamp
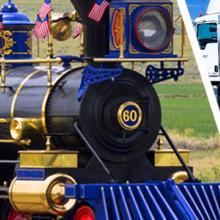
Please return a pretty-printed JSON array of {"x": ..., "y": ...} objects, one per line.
[{"x": 153, "y": 29}]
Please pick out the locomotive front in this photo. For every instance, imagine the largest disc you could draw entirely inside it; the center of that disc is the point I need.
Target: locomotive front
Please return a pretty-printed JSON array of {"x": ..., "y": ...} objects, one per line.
[{"x": 95, "y": 123}]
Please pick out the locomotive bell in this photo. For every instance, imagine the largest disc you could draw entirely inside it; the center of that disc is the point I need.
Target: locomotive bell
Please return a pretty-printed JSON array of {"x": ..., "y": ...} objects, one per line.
[{"x": 61, "y": 27}]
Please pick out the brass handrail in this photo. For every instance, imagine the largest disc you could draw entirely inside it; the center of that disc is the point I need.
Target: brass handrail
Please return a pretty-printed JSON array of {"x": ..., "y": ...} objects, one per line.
[
  {"x": 12, "y": 141},
  {"x": 4, "y": 121},
  {"x": 33, "y": 61},
  {"x": 140, "y": 60}
]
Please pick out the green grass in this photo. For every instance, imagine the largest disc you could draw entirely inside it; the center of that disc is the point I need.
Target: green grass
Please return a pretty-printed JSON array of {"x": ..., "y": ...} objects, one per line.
[
  {"x": 206, "y": 164},
  {"x": 185, "y": 107}
]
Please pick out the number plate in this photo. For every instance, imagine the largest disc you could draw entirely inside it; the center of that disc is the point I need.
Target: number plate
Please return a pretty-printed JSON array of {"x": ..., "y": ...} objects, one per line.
[{"x": 129, "y": 116}]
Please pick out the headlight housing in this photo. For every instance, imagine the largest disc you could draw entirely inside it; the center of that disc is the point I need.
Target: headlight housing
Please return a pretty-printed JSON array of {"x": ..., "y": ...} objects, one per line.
[{"x": 153, "y": 29}]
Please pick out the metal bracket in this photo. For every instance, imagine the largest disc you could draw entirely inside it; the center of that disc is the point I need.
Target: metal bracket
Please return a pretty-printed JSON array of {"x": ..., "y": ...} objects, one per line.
[
  {"x": 93, "y": 75},
  {"x": 156, "y": 75}
]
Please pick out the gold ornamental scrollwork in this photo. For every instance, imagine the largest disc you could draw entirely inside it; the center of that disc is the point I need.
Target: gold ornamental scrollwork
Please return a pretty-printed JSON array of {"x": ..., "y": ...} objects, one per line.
[
  {"x": 29, "y": 42},
  {"x": 7, "y": 42}
]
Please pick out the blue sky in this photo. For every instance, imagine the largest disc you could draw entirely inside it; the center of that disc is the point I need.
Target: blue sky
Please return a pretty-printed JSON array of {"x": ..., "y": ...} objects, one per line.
[{"x": 196, "y": 7}]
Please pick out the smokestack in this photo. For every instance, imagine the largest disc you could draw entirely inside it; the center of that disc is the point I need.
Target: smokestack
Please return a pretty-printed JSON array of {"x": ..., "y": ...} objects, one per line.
[
  {"x": 96, "y": 35},
  {"x": 83, "y": 7}
]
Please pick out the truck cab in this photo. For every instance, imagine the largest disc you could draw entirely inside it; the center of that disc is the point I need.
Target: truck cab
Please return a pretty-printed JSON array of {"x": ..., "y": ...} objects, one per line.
[{"x": 208, "y": 33}]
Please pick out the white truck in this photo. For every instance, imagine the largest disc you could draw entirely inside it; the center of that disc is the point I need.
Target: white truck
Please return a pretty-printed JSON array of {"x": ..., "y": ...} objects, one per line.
[{"x": 208, "y": 34}]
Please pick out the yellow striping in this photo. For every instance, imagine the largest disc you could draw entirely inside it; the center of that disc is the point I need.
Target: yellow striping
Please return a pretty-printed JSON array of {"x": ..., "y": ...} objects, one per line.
[{"x": 19, "y": 90}]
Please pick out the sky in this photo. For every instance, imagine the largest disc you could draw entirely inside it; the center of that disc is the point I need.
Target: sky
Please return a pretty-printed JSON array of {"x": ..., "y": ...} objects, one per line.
[{"x": 197, "y": 7}]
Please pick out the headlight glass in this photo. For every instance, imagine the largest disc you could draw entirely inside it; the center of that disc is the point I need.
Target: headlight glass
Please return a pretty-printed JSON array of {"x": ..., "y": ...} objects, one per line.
[{"x": 153, "y": 29}]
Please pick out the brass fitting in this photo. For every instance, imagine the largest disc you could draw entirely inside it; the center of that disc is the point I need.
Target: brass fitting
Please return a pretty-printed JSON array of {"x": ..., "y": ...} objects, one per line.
[
  {"x": 41, "y": 196},
  {"x": 25, "y": 128}
]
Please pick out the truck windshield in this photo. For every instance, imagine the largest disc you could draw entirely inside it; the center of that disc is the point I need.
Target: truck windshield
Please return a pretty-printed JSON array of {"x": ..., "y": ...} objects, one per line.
[{"x": 206, "y": 33}]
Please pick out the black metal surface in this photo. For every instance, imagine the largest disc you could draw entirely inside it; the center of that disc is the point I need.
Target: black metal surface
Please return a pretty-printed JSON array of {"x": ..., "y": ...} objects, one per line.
[
  {"x": 82, "y": 136},
  {"x": 27, "y": 104},
  {"x": 63, "y": 110},
  {"x": 98, "y": 117},
  {"x": 96, "y": 36},
  {"x": 122, "y": 152},
  {"x": 96, "y": 40}
]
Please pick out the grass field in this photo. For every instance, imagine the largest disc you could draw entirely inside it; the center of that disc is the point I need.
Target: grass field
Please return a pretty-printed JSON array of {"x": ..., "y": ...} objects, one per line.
[
  {"x": 206, "y": 164},
  {"x": 186, "y": 112},
  {"x": 185, "y": 106},
  {"x": 188, "y": 117}
]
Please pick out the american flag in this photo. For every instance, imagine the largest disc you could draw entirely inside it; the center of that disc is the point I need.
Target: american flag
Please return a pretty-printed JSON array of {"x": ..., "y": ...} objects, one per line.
[
  {"x": 1, "y": 22},
  {"x": 42, "y": 28},
  {"x": 45, "y": 9},
  {"x": 98, "y": 10},
  {"x": 77, "y": 31}
]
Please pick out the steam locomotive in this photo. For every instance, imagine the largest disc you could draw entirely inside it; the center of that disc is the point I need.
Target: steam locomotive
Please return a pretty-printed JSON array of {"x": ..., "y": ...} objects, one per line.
[{"x": 92, "y": 124}]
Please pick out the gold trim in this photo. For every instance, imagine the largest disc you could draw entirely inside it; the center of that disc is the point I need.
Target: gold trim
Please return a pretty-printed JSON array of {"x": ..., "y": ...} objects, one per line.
[
  {"x": 8, "y": 42},
  {"x": 48, "y": 159},
  {"x": 19, "y": 90},
  {"x": 37, "y": 61},
  {"x": 23, "y": 128},
  {"x": 18, "y": 142},
  {"x": 44, "y": 104},
  {"x": 122, "y": 33},
  {"x": 167, "y": 157},
  {"x": 141, "y": 60},
  {"x": 22, "y": 53},
  {"x": 5, "y": 120},
  {"x": 120, "y": 116},
  {"x": 180, "y": 177}
]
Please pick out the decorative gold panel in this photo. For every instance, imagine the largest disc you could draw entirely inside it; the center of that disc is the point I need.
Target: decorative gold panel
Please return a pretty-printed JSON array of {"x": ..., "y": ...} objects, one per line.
[
  {"x": 48, "y": 159},
  {"x": 7, "y": 42},
  {"x": 165, "y": 158}
]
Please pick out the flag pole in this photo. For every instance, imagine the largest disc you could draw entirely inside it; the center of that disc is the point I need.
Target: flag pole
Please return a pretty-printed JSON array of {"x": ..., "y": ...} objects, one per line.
[
  {"x": 50, "y": 51},
  {"x": 3, "y": 65},
  {"x": 3, "y": 58},
  {"x": 121, "y": 34},
  {"x": 38, "y": 48}
]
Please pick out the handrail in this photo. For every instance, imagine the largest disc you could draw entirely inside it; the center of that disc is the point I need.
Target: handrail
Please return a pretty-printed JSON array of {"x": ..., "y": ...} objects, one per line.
[
  {"x": 39, "y": 61},
  {"x": 144, "y": 60},
  {"x": 49, "y": 61}
]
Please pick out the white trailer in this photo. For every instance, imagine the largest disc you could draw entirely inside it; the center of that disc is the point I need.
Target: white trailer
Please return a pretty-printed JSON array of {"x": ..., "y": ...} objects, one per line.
[{"x": 208, "y": 34}]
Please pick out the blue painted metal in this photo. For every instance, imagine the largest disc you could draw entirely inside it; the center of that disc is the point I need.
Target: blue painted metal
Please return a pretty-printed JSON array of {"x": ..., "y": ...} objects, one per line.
[
  {"x": 20, "y": 28},
  {"x": 93, "y": 75},
  {"x": 132, "y": 10},
  {"x": 150, "y": 200},
  {"x": 30, "y": 174},
  {"x": 67, "y": 59},
  {"x": 202, "y": 198},
  {"x": 156, "y": 75}
]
